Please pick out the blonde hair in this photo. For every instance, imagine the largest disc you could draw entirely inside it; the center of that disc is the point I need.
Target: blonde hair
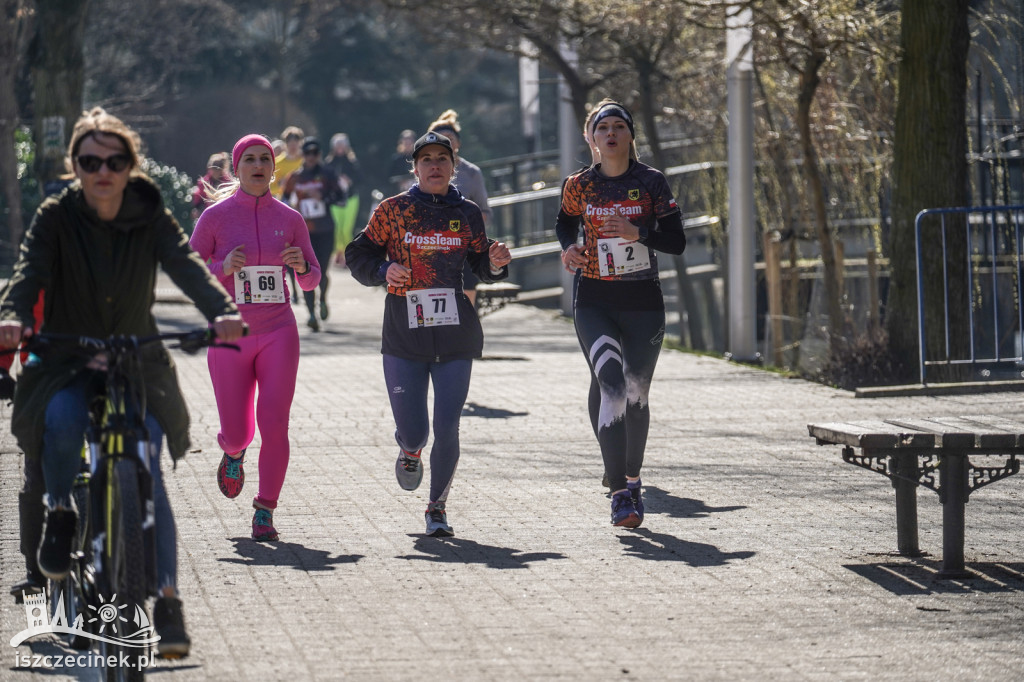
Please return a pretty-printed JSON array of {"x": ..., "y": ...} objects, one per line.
[
  {"x": 449, "y": 120},
  {"x": 97, "y": 123},
  {"x": 222, "y": 158},
  {"x": 633, "y": 153}
]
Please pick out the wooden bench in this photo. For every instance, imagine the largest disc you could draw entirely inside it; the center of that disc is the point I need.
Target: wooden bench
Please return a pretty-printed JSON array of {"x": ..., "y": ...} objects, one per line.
[
  {"x": 910, "y": 452},
  {"x": 493, "y": 297}
]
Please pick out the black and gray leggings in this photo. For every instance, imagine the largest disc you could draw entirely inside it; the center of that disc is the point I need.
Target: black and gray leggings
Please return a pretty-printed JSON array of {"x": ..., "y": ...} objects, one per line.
[{"x": 622, "y": 348}]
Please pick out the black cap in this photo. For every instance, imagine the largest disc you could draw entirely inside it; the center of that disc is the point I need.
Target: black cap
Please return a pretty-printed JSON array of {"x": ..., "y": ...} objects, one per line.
[
  {"x": 310, "y": 144},
  {"x": 432, "y": 138}
]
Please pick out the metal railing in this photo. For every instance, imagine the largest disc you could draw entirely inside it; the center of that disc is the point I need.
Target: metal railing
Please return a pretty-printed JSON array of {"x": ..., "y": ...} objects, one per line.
[
  {"x": 510, "y": 226},
  {"x": 994, "y": 273}
]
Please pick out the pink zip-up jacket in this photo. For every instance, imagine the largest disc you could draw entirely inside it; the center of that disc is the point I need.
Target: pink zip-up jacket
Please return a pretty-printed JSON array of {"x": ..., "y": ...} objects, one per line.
[{"x": 266, "y": 226}]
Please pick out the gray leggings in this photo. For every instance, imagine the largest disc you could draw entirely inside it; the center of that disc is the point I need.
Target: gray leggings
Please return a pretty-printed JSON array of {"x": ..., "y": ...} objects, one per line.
[
  {"x": 407, "y": 382},
  {"x": 622, "y": 349}
]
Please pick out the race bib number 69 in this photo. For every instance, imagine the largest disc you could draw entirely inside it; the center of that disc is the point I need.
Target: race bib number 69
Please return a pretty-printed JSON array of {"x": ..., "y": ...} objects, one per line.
[{"x": 259, "y": 284}]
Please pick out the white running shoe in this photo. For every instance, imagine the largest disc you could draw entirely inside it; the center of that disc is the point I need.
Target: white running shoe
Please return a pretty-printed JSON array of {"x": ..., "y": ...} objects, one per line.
[{"x": 437, "y": 521}]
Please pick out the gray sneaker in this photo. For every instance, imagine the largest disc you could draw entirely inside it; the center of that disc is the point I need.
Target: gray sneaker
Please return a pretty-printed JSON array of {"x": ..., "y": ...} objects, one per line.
[
  {"x": 409, "y": 470},
  {"x": 437, "y": 521}
]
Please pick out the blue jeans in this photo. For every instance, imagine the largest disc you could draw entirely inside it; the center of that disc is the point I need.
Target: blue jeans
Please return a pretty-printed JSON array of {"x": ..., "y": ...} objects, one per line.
[{"x": 67, "y": 418}]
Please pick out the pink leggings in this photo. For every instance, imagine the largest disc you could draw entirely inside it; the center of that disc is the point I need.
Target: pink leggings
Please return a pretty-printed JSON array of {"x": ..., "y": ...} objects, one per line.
[{"x": 269, "y": 361}]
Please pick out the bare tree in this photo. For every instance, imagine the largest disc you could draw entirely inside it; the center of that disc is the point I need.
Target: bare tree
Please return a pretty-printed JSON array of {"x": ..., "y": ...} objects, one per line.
[
  {"x": 16, "y": 16},
  {"x": 810, "y": 40},
  {"x": 58, "y": 74}
]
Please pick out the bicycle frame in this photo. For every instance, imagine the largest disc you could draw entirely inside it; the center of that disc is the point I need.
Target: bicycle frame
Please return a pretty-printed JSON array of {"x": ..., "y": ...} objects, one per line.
[{"x": 118, "y": 433}]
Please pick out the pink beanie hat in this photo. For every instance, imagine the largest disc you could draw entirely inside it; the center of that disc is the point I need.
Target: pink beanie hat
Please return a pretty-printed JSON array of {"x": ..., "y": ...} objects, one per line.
[{"x": 245, "y": 143}]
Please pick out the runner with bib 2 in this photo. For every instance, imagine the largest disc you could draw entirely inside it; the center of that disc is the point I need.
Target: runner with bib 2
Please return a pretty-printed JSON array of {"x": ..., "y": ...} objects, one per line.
[{"x": 627, "y": 213}]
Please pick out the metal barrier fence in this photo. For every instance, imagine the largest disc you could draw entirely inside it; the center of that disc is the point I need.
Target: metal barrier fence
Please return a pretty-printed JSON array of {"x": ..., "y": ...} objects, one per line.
[{"x": 994, "y": 272}]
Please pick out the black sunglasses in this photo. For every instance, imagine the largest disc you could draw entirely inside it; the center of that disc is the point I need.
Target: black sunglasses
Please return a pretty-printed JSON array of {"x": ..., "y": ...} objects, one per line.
[{"x": 115, "y": 162}]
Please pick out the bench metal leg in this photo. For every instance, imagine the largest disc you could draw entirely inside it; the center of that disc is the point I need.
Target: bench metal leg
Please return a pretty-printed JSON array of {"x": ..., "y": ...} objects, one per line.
[
  {"x": 953, "y": 491},
  {"x": 904, "y": 481}
]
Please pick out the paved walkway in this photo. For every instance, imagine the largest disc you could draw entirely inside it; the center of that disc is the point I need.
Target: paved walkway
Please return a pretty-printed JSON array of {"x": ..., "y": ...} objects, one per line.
[{"x": 763, "y": 556}]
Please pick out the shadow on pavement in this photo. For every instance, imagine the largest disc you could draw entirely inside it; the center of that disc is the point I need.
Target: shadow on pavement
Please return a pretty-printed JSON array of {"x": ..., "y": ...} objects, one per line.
[
  {"x": 462, "y": 551},
  {"x": 252, "y": 553},
  {"x": 920, "y": 576},
  {"x": 474, "y": 410},
  {"x": 658, "y": 501},
  {"x": 644, "y": 543}
]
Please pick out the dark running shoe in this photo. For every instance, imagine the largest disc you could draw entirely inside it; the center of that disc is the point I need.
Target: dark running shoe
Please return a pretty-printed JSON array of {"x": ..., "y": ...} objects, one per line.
[
  {"x": 623, "y": 512},
  {"x": 32, "y": 584},
  {"x": 231, "y": 475},
  {"x": 312, "y": 323},
  {"x": 263, "y": 526},
  {"x": 324, "y": 312},
  {"x": 437, "y": 521},
  {"x": 409, "y": 469},
  {"x": 169, "y": 623},
  {"x": 638, "y": 500},
  {"x": 55, "y": 549}
]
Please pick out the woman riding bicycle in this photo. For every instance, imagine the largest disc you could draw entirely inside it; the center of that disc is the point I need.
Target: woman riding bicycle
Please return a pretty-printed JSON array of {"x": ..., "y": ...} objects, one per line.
[{"x": 95, "y": 250}]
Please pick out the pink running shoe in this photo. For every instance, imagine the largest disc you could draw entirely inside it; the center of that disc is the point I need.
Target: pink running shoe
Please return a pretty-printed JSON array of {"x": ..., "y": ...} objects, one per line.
[
  {"x": 231, "y": 475},
  {"x": 263, "y": 526}
]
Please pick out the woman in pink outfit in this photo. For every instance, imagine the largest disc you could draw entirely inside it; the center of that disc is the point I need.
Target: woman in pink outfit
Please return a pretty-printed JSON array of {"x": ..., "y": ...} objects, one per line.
[{"x": 248, "y": 238}]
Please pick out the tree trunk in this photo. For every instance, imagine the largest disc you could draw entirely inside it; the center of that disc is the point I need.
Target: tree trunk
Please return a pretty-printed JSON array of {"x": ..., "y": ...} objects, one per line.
[
  {"x": 9, "y": 62},
  {"x": 816, "y": 191},
  {"x": 58, "y": 73},
  {"x": 929, "y": 170},
  {"x": 687, "y": 295},
  {"x": 778, "y": 149}
]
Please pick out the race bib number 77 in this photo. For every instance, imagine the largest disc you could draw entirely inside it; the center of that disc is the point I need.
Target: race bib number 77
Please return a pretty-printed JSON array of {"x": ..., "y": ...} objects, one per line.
[{"x": 431, "y": 307}]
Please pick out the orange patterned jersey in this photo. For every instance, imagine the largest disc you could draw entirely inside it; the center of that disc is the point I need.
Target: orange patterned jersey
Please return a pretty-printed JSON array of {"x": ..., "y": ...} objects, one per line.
[
  {"x": 431, "y": 239},
  {"x": 641, "y": 193}
]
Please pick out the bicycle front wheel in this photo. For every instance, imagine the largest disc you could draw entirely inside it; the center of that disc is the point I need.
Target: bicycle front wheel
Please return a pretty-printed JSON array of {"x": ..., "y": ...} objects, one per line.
[{"x": 124, "y": 566}]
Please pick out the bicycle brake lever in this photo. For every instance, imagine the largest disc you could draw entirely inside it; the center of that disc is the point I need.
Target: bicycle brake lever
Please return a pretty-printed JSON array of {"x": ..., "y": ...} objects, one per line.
[{"x": 194, "y": 341}]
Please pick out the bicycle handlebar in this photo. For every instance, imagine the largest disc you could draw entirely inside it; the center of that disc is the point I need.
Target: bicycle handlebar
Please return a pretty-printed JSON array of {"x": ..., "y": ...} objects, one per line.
[{"x": 189, "y": 341}]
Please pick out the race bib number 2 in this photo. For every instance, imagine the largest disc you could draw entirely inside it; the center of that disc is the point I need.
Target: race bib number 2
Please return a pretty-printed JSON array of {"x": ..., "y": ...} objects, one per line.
[
  {"x": 259, "y": 284},
  {"x": 620, "y": 257},
  {"x": 431, "y": 307}
]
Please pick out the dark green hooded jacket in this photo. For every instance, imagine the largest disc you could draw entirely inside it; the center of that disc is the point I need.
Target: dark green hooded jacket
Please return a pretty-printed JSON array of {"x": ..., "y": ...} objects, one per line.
[{"x": 99, "y": 279}]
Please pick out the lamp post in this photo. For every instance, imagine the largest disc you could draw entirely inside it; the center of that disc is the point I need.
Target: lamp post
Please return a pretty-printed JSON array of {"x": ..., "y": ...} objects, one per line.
[{"x": 742, "y": 345}]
